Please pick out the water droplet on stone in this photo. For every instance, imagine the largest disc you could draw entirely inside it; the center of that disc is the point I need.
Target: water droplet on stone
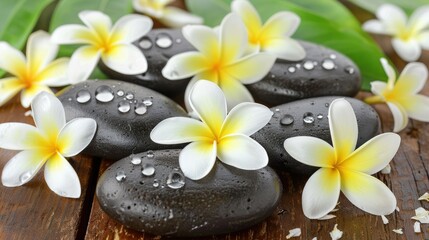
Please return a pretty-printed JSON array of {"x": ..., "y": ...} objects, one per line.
[
  {"x": 136, "y": 160},
  {"x": 140, "y": 109},
  {"x": 170, "y": 214},
  {"x": 319, "y": 116},
  {"x": 120, "y": 176},
  {"x": 273, "y": 76},
  {"x": 145, "y": 43},
  {"x": 129, "y": 96},
  {"x": 178, "y": 40},
  {"x": 150, "y": 154},
  {"x": 148, "y": 102},
  {"x": 155, "y": 183},
  {"x": 124, "y": 106},
  {"x": 308, "y": 65},
  {"x": 326, "y": 104},
  {"x": 349, "y": 70},
  {"x": 308, "y": 118},
  {"x": 25, "y": 177},
  {"x": 328, "y": 64},
  {"x": 175, "y": 180},
  {"x": 291, "y": 69},
  {"x": 120, "y": 93},
  {"x": 83, "y": 96},
  {"x": 163, "y": 41},
  {"x": 333, "y": 56},
  {"x": 104, "y": 94},
  {"x": 287, "y": 120},
  {"x": 298, "y": 65},
  {"x": 148, "y": 169}
]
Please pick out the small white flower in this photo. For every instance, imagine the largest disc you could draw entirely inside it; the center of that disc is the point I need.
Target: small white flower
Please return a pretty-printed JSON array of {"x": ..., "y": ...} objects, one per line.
[
  {"x": 336, "y": 233},
  {"x": 417, "y": 228},
  {"x": 34, "y": 73},
  {"x": 398, "y": 231},
  {"x": 296, "y": 232},
  {"x": 425, "y": 197},
  {"x": 422, "y": 215},
  {"x": 409, "y": 35},
  {"x": 401, "y": 95},
  {"x": 112, "y": 44},
  {"x": 274, "y": 35},
  {"x": 217, "y": 134},
  {"x": 344, "y": 169},
  {"x": 168, "y": 15},
  {"x": 221, "y": 59},
  {"x": 49, "y": 142}
]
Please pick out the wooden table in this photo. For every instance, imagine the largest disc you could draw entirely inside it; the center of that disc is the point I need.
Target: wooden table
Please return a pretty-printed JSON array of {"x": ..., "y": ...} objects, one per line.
[{"x": 34, "y": 212}]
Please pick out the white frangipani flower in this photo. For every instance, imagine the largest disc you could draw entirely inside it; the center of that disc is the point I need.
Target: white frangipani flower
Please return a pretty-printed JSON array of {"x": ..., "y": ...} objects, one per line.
[
  {"x": 33, "y": 73},
  {"x": 49, "y": 142},
  {"x": 112, "y": 44},
  {"x": 344, "y": 169},
  {"x": 221, "y": 59},
  {"x": 218, "y": 134},
  {"x": 274, "y": 35},
  {"x": 401, "y": 95},
  {"x": 409, "y": 35},
  {"x": 168, "y": 15}
]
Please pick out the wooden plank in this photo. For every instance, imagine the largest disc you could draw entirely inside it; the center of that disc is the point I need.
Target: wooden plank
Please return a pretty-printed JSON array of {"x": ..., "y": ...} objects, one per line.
[{"x": 33, "y": 211}]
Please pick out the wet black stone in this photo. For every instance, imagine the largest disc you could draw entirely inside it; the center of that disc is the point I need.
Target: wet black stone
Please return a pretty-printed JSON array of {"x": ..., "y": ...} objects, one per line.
[
  {"x": 227, "y": 200},
  {"x": 280, "y": 127},
  {"x": 119, "y": 134},
  {"x": 279, "y": 86}
]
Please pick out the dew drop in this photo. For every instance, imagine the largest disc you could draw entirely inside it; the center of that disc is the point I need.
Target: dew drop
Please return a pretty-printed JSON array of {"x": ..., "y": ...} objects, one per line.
[
  {"x": 298, "y": 65},
  {"x": 104, "y": 94},
  {"x": 163, "y": 41},
  {"x": 328, "y": 64},
  {"x": 148, "y": 102},
  {"x": 326, "y": 104},
  {"x": 136, "y": 160},
  {"x": 308, "y": 118},
  {"x": 129, "y": 96},
  {"x": 291, "y": 69},
  {"x": 308, "y": 65},
  {"x": 145, "y": 43},
  {"x": 120, "y": 176},
  {"x": 273, "y": 76},
  {"x": 333, "y": 56},
  {"x": 124, "y": 106},
  {"x": 287, "y": 120},
  {"x": 148, "y": 169},
  {"x": 178, "y": 40},
  {"x": 155, "y": 183},
  {"x": 83, "y": 96},
  {"x": 350, "y": 70},
  {"x": 140, "y": 109},
  {"x": 175, "y": 180},
  {"x": 25, "y": 177},
  {"x": 150, "y": 154},
  {"x": 120, "y": 93},
  {"x": 319, "y": 116}
]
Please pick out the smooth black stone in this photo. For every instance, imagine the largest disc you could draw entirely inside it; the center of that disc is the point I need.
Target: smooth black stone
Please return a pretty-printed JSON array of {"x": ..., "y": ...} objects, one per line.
[
  {"x": 279, "y": 86},
  {"x": 226, "y": 200},
  {"x": 273, "y": 135},
  {"x": 119, "y": 134}
]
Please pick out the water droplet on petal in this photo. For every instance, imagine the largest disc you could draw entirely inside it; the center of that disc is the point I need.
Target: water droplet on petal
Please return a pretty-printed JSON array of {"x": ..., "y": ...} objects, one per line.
[
  {"x": 140, "y": 109},
  {"x": 145, "y": 43},
  {"x": 163, "y": 41},
  {"x": 291, "y": 69},
  {"x": 308, "y": 118},
  {"x": 148, "y": 169},
  {"x": 287, "y": 120},
  {"x": 83, "y": 96},
  {"x": 136, "y": 160},
  {"x": 104, "y": 94},
  {"x": 328, "y": 64},
  {"x": 120, "y": 93},
  {"x": 124, "y": 106},
  {"x": 350, "y": 70},
  {"x": 25, "y": 177},
  {"x": 120, "y": 176},
  {"x": 175, "y": 180},
  {"x": 308, "y": 65}
]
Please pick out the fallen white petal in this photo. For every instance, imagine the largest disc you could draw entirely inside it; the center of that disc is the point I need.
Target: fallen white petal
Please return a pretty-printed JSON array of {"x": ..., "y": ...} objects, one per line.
[
  {"x": 397, "y": 209},
  {"x": 384, "y": 219},
  {"x": 425, "y": 196},
  {"x": 336, "y": 233},
  {"x": 327, "y": 217},
  {"x": 398, "y": 231},
  {"x": 387, "y": 169},
  {"x": 417, "y": 228},
  {"x": 296, "y": 232},
  {"x": 422, "y": 215}
]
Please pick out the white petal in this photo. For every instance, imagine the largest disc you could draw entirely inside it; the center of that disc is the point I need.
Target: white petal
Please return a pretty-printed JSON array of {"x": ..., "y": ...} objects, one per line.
[
  {"x": 76, "y": 136},
  {"x": 233, "y": 37},
  {"x": 20, "y": 136},
  {"x": 423, "y": 39},
  {"x": 392, "y": 17},
  {"x": 343, "y": 127},
  {"x": 28, "y": 94},
  {"x": 398, "y": 231},
  {"x": 376, "y": 26},
  {"x": 9, "y": 87},
  {"x": 176, "y": 18},
  {"x": 284, "y": 48},
  {"x": 48, "y": 114},
  {"x": 374, "y": 155},
  {"x": 82, "y": 62},
  {"x": 425, "y": 197},
  {"x": 74, "y": 34},
  {"x": 61, "y": 177},
  {"x": 180, "y": 130},
  {"x": 296, "y": 232},
  {"x": 336, "y": 233},
  {"x": 126, "y": 59},
  {"x": 55, "y": 74},
  {"x": 208, "y": 101},
  {"x": 417, "y": 107},
  {"x": 237, "y": 120},
  {"x": 384, "y": 219},
  {"x": 242, "y": 152},
  {"x": 417, "y": 228},
  {"x": 204, "y": 39},
  {"x": 419, "y": 20},
  {"x": 23, "y": 167},
  {"x": 310, "y": 151},
  {"x": 12, "y": 60},
  {"x": 40, "y": 50},
  {"x": 387, "y": 169},
  {"x": 235, "y": 92},
  {"x": 151, "y": 8},
  {"x": 131, "y": 27},
  {"x": 367, "y": 193},
  {"x": 248, "y": 14},
  {"x": 185, "y": 65},
  {"x": 197, "y": 159},
  {"x": 378, "y": 87},
  {"x": 281, "y": 24},
  {"x": 252, "y": 68},
  {"x": 321, "y": 193},
  {"x": 390, "y": 72},
  {"x": 97, "y": 21},
  {"x": 422, "y": 215},
  {"x": 409, "y": 51},
  {"x": 400, "y": 116},
  {"x": 412, "y": 79}
]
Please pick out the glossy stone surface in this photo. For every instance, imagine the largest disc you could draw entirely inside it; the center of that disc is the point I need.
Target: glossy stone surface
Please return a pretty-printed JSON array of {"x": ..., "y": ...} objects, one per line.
[
  {"x": 308, "y": 117},
  {"x": 161, "y": 201},
  {"x": 125, "y": 113}
]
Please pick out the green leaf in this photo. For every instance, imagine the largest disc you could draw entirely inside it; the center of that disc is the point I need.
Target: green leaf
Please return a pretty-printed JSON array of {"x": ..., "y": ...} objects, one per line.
[
  {"x": 318, "y": 25},
  {"x": 408, "y": 5},
  {"x": 18, "y": 18}
]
